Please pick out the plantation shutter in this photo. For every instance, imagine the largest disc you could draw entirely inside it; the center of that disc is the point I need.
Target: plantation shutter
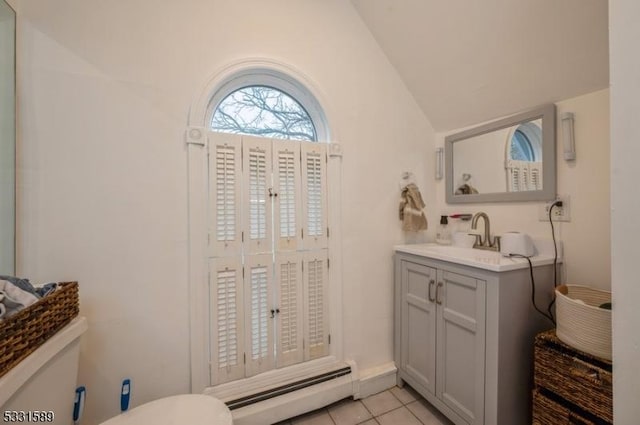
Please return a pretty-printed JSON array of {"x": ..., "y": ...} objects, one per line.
[
  {"x": 224, "y": 195},
  {"x": 316, "y": 307},
  {"x": 314, "y": 195},
  {"x": 226, "y": 320},
  {"x": 524, "y": 181},
  {"x": 268, "y": 254},
  {"x": 535, "y": 182},
  {"x": 523, "y": 175},
  {"x": 258, "y": 290},
  {"x": 287, "y": 206},
  {"x": 256, "y": 200},
  {"x": 290, "y": 328}
]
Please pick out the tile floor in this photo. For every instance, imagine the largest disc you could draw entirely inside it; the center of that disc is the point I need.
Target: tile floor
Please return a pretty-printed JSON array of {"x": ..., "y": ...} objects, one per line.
[{"x": 397, "y": 406}]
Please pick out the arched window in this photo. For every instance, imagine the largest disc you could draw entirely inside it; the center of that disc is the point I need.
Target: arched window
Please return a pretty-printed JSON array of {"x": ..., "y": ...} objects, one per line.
[
  {"x": 267, "y": 103},
  {"x": 521, "y": 148},
  {"x": 263, "y": 111},
  {"x": 526, "y": 143},
  {"x": 260, "y": 219},
  {"x": 267, "y": 234},
  {"x": 524, "y": 157}
]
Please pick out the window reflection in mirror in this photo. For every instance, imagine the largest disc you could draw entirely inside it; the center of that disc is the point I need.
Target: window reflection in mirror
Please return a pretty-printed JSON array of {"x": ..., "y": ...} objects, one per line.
[
  {"x": 511, "y": 159},
  {"x": 506, "y": 160},
  {"x": 523, "y": 163}
]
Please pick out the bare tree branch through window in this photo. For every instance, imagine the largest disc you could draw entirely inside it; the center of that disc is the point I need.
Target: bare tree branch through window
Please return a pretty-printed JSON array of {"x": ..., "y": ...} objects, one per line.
[{"x": 263, "y": 111}]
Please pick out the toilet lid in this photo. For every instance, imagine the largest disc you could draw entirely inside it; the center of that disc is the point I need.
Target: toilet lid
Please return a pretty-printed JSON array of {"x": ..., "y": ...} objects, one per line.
[{"x": 188, "y": 409}]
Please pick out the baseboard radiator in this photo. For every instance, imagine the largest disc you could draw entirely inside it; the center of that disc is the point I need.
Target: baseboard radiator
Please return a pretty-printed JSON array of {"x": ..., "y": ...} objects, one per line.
[
  {"x": 286, "y": 389},
  {"x": 295, "y": 398}
]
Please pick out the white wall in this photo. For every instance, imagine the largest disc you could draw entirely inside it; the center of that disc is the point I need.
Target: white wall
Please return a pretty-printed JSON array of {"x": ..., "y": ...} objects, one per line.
[
  {"x": 482, "y": 157},
  {"x": 105, "y": 92},
  {"x": 586, "y": 181},
  {"x": 625, "y": 206}
]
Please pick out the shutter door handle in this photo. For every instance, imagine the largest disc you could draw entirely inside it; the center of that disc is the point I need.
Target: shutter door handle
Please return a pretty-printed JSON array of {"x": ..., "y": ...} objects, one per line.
[
  {"x": 431, "y": 283},
  {"x": 274, "y": 312}
]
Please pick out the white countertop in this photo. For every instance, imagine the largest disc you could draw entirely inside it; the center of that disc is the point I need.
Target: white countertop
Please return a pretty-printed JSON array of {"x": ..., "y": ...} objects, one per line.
[{"x": 482, "y": 259}]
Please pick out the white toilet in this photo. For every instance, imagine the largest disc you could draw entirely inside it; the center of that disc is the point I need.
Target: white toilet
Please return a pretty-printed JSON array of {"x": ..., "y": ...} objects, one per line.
[
  {"x": 46, "y": 381},
  {"x": 192, "y": 409}
]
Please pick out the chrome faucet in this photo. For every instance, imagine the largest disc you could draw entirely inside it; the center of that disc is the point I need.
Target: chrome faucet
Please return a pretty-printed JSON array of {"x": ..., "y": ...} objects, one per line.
[{"x": 484, "y": 243}]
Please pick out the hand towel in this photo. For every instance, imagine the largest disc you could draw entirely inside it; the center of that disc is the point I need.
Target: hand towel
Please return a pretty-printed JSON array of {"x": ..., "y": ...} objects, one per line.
[{"x": 410, "y": 210}]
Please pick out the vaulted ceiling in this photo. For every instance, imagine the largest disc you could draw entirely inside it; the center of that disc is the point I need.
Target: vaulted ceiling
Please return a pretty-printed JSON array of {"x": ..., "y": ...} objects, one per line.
[{"x": 469, "y": 61}]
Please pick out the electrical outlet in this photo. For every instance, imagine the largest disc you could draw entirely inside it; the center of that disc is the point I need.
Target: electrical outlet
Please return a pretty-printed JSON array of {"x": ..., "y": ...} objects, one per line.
[{"x": 562, "y": 213}]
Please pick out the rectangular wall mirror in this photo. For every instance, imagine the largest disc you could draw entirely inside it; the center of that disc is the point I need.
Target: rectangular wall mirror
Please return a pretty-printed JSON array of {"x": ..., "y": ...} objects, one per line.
[
  {"x": 512, "y": 159},
  {"x": 7, "y": 138}
]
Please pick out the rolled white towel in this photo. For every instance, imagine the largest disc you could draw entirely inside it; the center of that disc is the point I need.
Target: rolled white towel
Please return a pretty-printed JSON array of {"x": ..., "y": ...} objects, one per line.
[{"x": 14, "y": 299}]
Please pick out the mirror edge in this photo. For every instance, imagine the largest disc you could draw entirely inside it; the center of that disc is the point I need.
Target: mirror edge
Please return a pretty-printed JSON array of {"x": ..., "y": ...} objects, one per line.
[
  {"x": 13, "y": 141},
  {"x": 548, "y": 114}
]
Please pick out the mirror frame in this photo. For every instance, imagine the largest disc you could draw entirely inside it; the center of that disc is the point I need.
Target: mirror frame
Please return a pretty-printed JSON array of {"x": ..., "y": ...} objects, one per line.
[
  {"x": 548, "y": 192},
  {"x": 9, "y": 141}
]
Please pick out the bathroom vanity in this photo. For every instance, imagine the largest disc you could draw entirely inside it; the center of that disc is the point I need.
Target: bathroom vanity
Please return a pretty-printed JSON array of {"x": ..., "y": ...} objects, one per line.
[{"x": 465, "y": 327}]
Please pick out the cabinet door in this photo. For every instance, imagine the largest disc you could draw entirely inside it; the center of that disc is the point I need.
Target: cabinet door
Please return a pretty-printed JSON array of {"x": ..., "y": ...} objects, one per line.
[
  {"x": 418, "y": 338},
  {"x": 461, "y": 344}
]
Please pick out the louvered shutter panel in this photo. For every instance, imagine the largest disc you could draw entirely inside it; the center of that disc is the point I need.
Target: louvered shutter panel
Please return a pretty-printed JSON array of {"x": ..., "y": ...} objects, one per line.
[
  {"x": 524, "y": 182},
  {"x": 256, "y": 153},
  {"x": 224, "y": 194},
  {"x": 258, "y": 290},
  {"x": 246, "y": 338},
  {"x": 227, "y": 320},
  {"x": 517, "y": 175},
  {"x": 536, "y": 175},
  {"x": 512, "y": 177},
  {"x": 314, "y": 195},
  {"x": 287, "y": 205},
  {"x": 316, "y": 307},
  {"x": 290, "y": 322}
]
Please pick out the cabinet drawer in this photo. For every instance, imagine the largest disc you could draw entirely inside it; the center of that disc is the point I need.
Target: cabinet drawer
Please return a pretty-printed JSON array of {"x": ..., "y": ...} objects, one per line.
[{"x": 580, "y": 379}]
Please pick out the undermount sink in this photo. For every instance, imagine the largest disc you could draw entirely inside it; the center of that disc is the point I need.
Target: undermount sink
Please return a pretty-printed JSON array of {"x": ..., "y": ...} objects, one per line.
[{"x": 482, "y": 259}]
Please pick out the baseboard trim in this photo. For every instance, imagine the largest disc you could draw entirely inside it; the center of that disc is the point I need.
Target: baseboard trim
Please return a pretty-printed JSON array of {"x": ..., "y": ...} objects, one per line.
[{"x": 377, "y": 379}]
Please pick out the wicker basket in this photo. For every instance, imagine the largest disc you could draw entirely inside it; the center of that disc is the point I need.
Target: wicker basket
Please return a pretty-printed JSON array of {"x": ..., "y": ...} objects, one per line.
[
  {"x": 580, "y": 382},
  {"x": 583, "y": 325},
  {"x": 548, "y": 412},
  {"x": 25, "y": 331}
]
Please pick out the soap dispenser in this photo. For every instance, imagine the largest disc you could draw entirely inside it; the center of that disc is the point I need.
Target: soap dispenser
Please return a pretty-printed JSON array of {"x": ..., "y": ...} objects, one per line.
[{"x": 443, "y": 235}]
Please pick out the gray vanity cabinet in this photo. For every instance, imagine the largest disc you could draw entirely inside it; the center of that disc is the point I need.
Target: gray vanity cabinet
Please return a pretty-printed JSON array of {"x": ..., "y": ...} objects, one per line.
[
  {"x": 442, "y": 336},
  {"x": 464, "y": 338}
]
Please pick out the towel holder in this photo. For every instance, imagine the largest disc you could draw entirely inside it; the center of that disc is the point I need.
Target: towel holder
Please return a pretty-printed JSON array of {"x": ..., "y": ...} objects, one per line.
[{"x": 406, "y": 179}]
